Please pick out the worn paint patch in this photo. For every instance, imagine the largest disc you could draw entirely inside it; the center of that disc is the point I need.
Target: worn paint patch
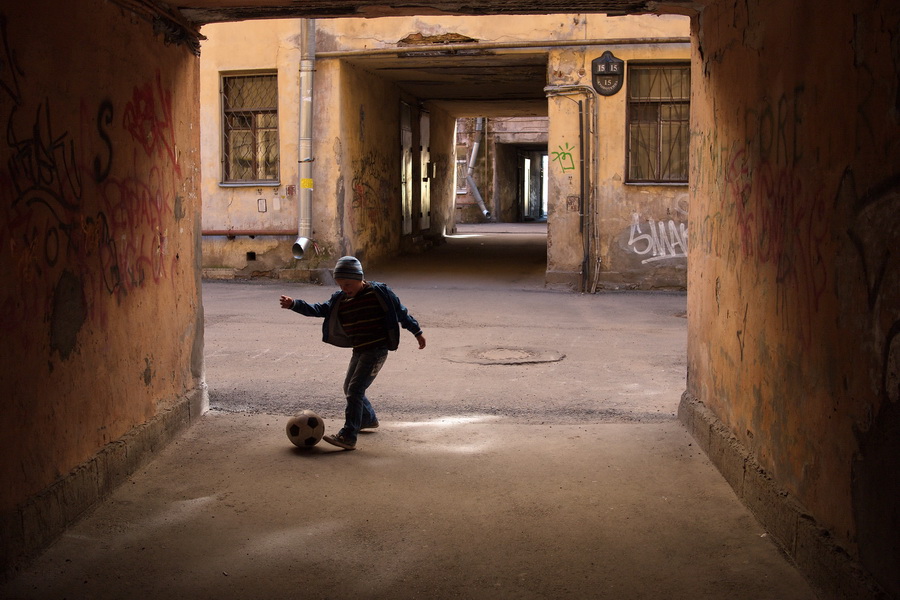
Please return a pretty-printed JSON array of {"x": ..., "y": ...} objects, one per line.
[
  {"x": 420, "y": 39},
  {"x": 179, "y": 208},
  {"x": 147, "y": 374},
  {"x": 68, "y": 314}
]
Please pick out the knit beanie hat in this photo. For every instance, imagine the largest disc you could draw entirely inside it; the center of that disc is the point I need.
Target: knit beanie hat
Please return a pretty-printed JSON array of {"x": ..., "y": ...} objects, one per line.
[{"x": 348, "y": 267}]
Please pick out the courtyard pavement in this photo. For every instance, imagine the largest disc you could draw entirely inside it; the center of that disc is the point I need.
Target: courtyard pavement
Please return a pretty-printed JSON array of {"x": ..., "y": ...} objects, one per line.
[{"x": 531, "y": 451}]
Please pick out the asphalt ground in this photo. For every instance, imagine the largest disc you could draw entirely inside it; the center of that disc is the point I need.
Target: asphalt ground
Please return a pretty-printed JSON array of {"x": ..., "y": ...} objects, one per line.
[{"x": 531, "y": 450}]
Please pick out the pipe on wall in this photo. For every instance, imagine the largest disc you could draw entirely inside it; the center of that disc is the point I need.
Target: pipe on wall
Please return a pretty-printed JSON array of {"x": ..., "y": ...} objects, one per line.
[
  {"x": 304, "y": 147},
  {"x": 588, "y": 204},
  {"x": 479, "y": 134},
  {"x": 248, "y": 232}
]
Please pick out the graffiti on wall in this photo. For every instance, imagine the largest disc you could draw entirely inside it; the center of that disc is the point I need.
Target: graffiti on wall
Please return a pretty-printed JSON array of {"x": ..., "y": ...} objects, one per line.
[
  {"x": 662, "y": 241},
  {"x": 874, "y": 234},
  {"x": 564, "y": 157},
  {"x": 78, "y": 222},
  {"x": 770, "y": 212},
  {"x": 371, "y": 194}
]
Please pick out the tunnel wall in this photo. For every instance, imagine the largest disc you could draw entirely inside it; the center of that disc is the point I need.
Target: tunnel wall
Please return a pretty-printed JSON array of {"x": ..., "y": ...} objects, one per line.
[
  {"x": 367, "y": 187},
  {"x": 102, "y": 323},
  {"x": 794, "y": 298}
]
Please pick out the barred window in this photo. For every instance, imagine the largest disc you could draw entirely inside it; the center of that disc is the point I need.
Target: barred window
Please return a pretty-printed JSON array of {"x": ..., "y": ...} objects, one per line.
[
  {"x": 462, "y": 169},
  {"x": 250, "y": 128},
  {"x": 658, "y": 123}
]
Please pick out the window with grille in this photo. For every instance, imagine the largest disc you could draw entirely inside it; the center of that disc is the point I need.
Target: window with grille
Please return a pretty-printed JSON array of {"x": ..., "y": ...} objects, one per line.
[
  {"x": 250, "y": 128},
  {"x": 658, "y": 123},
  {"x": 462, "y": 169}
]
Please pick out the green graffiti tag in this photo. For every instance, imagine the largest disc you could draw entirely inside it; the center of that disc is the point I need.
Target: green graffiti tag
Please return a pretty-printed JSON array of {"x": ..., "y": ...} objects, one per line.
[{"x": 564, "y": 158}]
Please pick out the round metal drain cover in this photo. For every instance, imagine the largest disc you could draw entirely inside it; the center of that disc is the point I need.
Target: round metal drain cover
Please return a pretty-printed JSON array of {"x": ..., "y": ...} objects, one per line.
[{"x": 504, "y": 355}]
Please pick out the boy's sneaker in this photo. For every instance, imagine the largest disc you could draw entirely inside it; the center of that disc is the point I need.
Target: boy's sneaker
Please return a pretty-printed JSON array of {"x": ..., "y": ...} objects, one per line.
[
  {"x": 372, "y": 425},
  {"x": 340, "y": 441}
]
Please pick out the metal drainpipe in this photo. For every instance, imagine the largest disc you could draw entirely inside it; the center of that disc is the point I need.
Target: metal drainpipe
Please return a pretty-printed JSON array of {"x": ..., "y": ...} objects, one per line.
[
  {"x": 591, "y": 241},
  {"x": 586, "y": 239},
  {"x": 304, "y": 147},
  {"x": 471, "y": 180}
]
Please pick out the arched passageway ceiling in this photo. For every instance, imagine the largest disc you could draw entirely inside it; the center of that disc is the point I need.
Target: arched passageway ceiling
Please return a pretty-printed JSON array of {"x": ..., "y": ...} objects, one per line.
[
  {"x": 485, "y": 84},
  {"x": 211, "y": 11},
  {"x": 465, "y": 82}
]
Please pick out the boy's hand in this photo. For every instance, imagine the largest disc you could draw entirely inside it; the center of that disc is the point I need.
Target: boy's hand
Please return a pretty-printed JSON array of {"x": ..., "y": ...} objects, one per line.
[
  {"x": 421, "y": 339},
  {"x": 287, "y": 302}
]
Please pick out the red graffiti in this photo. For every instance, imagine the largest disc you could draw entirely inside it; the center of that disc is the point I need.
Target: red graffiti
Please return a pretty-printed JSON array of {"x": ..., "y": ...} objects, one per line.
[
  {"x": 134, "y": 242},
  {"x": 71, "y": 207},
  {"x": 149, "y": 119},
  {"x": 782, "y": 223}
]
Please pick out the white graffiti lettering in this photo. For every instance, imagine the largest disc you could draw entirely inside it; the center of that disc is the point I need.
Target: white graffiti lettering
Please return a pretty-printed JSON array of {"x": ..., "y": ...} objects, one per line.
[{"x": 663, "y": 241}]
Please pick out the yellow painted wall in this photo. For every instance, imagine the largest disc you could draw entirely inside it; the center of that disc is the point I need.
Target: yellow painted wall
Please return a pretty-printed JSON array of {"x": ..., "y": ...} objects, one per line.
[
  {"x": 233, "y": 49},
  {"x": 358, "y": 34},
  {"x": 794, "y": 298},
  {"x": 99, "y": 286},
  {"x": 357, "y": 189},
  {"x": 618, "y": 216}
]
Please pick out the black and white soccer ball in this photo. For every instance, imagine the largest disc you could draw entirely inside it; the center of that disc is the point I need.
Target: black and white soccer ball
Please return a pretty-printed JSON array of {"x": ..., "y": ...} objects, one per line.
[{"x": 305, "y": 429}]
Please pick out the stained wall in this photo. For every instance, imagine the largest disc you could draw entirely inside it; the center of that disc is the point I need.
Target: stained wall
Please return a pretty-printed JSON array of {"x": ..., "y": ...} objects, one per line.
[
  {"x": 603, "y": 231},
  {"x": 99, "y": 258},
  {"x": 794, "y": 297},
  {"x": 263, "y": 217}
]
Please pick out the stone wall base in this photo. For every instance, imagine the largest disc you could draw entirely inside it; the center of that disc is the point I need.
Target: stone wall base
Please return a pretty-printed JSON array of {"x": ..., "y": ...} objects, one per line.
[
  {"x": 29, "y": 529},
  {"x": 563, "y": 280},
  {"x": 831, "y": 571}
]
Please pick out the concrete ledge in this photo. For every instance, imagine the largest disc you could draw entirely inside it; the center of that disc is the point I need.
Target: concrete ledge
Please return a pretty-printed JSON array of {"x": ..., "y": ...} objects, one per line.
[
  {"x": 30, "y": 528},
  {"x": 218, "y": 273},
  {"x": 831, "y": 571},
  {"x": 563, "y": 280}
]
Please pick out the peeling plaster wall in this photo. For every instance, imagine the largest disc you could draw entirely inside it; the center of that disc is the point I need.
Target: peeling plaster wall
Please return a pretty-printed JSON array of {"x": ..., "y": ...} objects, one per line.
[
  {"x": 357, "y": 188},
  {"x": 273, "y": 46},
  {"x": 385, "y": 32},
  {"x": 794, "y": 304},
  {"x": 369, "y": 125},
  {"x": 638, "y": 232},
  {"x": 99, "y": 286}
]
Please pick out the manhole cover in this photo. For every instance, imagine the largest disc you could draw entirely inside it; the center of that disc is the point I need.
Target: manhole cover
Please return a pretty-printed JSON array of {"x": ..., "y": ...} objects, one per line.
[{"x": 504, "y": 355}]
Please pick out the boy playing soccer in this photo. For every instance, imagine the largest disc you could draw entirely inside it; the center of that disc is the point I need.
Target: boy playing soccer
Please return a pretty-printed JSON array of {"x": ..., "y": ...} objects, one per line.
[{"x": 365, "y": 316}]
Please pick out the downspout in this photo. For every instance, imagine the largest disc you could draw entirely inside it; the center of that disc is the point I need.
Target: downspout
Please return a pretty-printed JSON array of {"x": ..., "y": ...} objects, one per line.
[
  {"x": 589, "y": 169},
  {"x": 304, "y": 146},
  {"x": 585, "y": 237},
  {"x": 471, "y": 180}
]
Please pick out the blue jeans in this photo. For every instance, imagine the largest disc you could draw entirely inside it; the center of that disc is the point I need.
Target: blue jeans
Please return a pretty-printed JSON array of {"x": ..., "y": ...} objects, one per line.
[{"x": 364, "y": 367}]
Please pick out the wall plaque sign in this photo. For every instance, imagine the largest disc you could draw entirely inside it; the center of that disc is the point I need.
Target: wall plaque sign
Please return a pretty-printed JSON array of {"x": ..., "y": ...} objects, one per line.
[{"x": 607, "y": 74}]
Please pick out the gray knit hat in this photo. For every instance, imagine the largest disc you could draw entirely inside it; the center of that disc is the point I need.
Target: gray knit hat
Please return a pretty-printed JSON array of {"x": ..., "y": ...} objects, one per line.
[{"x": 348, "y": 267}]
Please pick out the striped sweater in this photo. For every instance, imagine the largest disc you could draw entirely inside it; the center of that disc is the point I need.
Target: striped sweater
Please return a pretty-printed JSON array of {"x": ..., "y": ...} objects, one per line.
[{"x": 362, "y": 318}]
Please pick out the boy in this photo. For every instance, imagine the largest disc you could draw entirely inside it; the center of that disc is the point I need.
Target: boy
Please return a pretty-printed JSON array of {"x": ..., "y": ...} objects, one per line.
[{"x": 364, "y": 316}]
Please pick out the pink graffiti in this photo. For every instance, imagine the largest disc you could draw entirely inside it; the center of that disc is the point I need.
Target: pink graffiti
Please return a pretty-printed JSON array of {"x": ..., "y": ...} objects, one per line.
[
  {"x": 71, "y": 204},
  {"x": 136, "y": 212},
  {"x": 782, "y": 223},
  {"x": 149, "y": 119}
]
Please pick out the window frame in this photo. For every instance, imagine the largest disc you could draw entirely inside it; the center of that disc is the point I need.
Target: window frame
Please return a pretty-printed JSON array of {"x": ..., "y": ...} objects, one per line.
[
  {"x": 684, "y": 103},
  {"x": 227, "y": 179}
]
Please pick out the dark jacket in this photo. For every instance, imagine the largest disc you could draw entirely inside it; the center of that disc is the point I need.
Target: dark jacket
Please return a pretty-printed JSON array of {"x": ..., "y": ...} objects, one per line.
[{"x": 395, "y": 314}]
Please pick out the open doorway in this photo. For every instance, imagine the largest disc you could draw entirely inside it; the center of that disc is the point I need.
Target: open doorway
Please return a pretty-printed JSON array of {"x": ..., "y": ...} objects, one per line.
[
  {"x": 502, "y": 170},
  {"x": 533, "y": 184}
]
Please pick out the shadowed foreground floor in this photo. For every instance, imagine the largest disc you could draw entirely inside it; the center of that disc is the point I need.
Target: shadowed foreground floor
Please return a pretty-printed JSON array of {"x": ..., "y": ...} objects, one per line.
[{"x": 569, "y": 478}]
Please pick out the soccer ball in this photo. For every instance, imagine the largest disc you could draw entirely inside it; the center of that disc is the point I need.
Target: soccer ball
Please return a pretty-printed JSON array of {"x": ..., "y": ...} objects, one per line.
[{"x": 306, "y": 429}]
